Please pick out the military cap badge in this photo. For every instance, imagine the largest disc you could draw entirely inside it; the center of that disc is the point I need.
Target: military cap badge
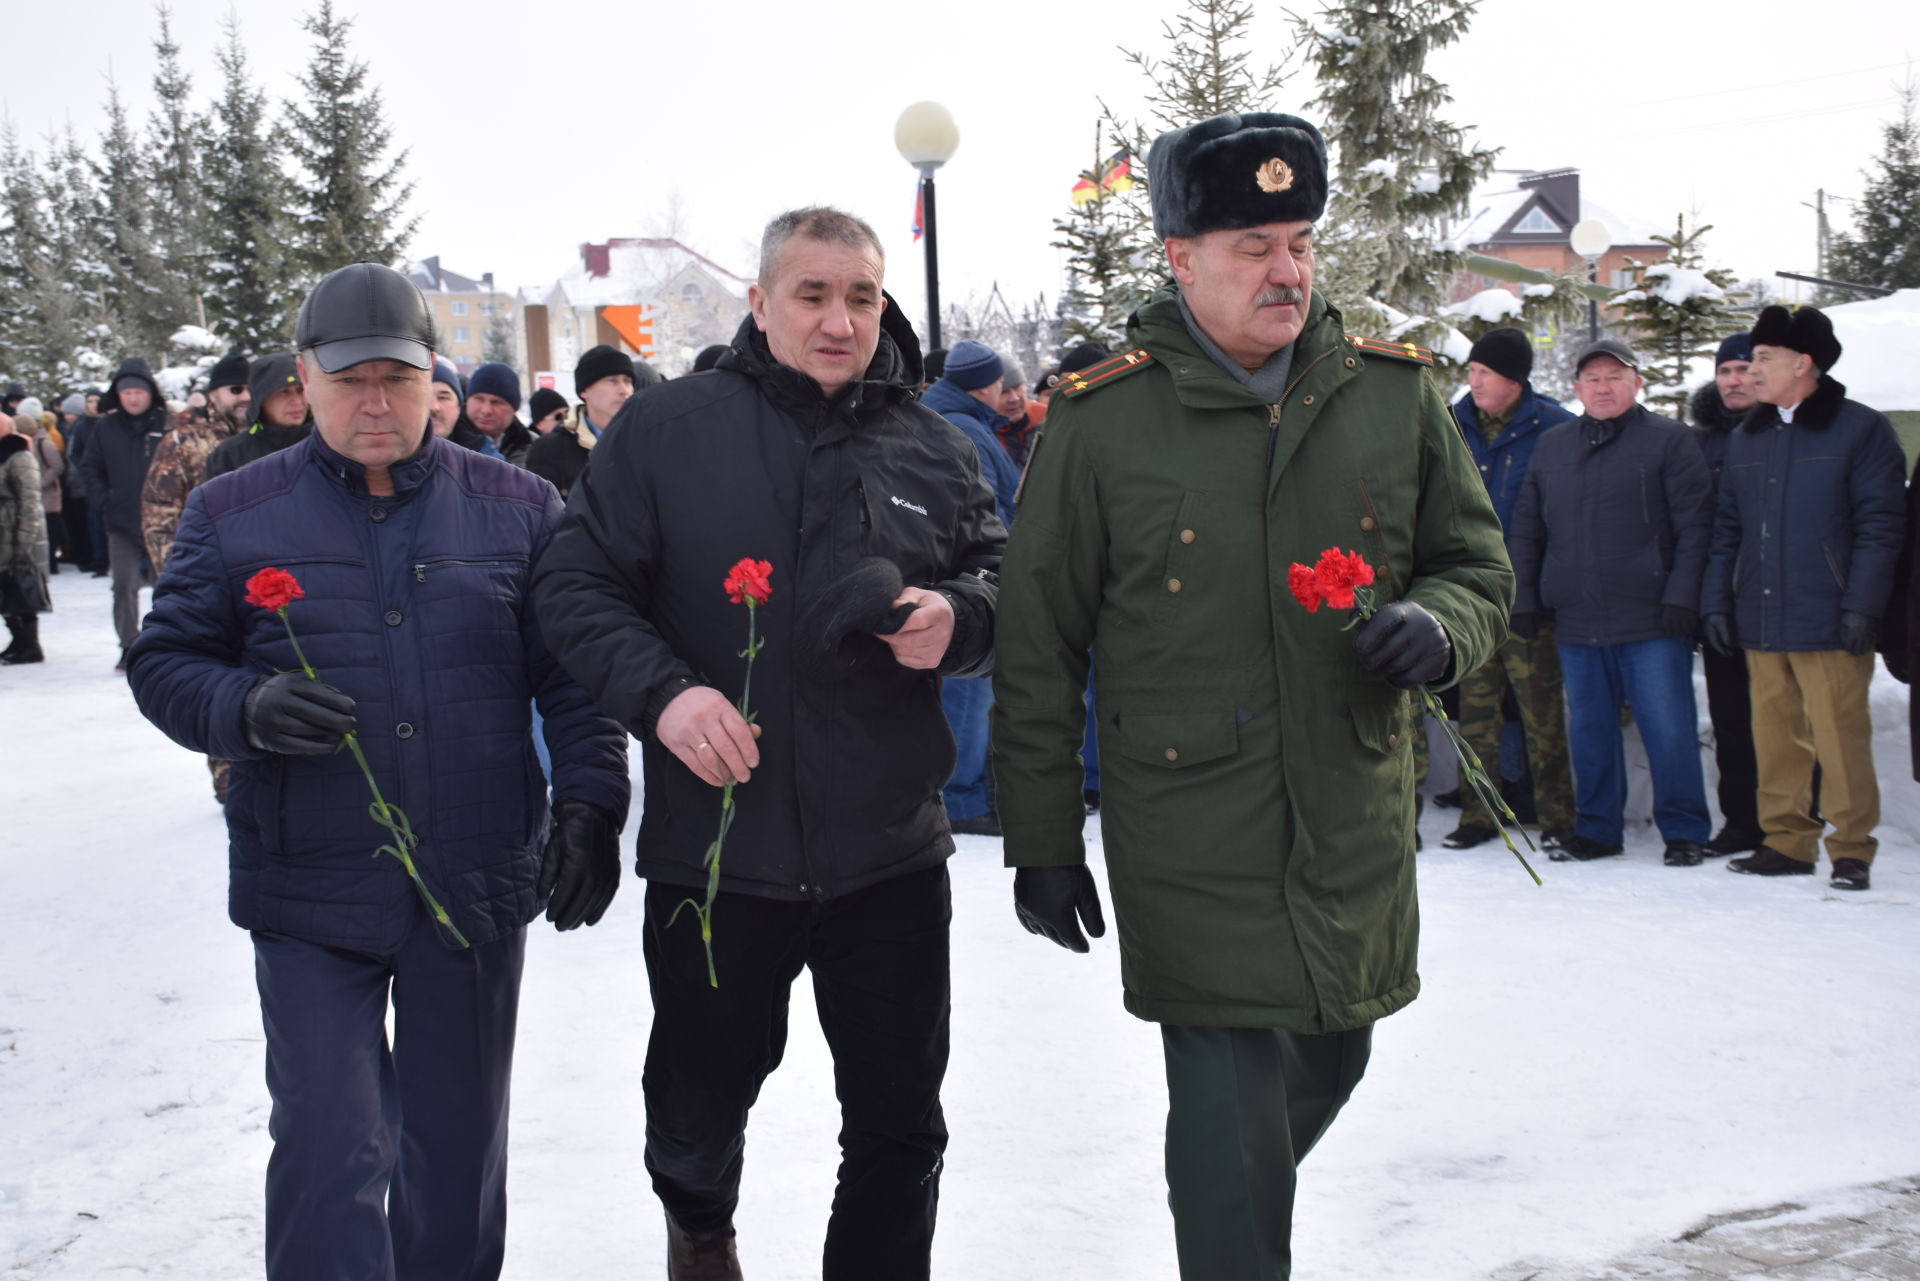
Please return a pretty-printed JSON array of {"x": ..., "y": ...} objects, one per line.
[{"x": 1274, "y": 176}]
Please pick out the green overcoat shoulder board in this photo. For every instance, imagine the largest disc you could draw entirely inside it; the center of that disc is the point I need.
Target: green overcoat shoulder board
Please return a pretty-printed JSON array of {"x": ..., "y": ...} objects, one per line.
[{"x": 1256, "y": 783}]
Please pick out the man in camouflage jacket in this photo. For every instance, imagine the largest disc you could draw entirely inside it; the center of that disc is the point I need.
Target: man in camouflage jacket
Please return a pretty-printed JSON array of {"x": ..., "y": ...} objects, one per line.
[{"x": 180, "y": 459}]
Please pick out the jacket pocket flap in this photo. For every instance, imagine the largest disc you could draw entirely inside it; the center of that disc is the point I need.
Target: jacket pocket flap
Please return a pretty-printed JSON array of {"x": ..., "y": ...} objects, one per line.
[{"x": 1176, "y": 741}]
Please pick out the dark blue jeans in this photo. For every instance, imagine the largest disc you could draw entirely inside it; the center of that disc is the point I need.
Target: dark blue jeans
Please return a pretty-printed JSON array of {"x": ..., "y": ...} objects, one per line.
[
  {"x": 388, "y": 1164},
  {"x": 967, "y": 701},
  {"x": 1654, "y": 678},
  {"x": 882, "y": 988}
]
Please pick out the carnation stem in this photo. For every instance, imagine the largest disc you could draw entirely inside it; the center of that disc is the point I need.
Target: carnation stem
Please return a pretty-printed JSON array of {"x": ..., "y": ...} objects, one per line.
[{"x": 388, "y": 816}]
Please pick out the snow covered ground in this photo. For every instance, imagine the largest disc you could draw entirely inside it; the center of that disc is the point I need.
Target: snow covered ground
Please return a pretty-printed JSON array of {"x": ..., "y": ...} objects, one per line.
[{"x": 1593, "y": 1065}]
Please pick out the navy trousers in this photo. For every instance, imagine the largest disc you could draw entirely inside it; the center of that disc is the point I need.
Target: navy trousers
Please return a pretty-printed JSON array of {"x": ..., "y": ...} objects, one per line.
[
  {"x": 881, "y": 985},
  {"x": 389, "y": 1163}
]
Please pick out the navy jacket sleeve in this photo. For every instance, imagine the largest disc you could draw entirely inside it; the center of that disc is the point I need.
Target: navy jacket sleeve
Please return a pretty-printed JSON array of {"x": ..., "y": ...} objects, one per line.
[
  {"x": 1876, "y": 491},
  {"x": 1716, "y": 588},
  {"x": 185, "y": 667},
  {"x": 589, "y": 750},
  {"x": 1526, "y": 542},
  {"x": 1689, "y": 487},
  {"x": 592, "y": 585}
]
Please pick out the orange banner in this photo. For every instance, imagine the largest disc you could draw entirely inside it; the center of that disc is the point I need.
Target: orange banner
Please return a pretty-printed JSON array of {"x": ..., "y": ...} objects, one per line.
[{"x": 634, "y": 325}]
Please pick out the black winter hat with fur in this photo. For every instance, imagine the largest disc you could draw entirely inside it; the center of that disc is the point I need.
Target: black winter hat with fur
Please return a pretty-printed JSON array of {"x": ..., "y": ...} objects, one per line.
[
  {"x": 1237, "y": 171},
  {"x": 1803, "y": 329},
  {"x": 229, "y": 371}
]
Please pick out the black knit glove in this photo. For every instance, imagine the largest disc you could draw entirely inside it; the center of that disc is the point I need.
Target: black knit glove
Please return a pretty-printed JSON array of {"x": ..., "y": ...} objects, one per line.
[
  {"x": 1859, "y": 634},
  {"x": 1679, "y": 621}
]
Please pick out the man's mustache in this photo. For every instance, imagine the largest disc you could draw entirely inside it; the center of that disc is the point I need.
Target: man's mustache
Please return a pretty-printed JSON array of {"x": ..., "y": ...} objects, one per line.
[{"x": 1279, "y": 294}]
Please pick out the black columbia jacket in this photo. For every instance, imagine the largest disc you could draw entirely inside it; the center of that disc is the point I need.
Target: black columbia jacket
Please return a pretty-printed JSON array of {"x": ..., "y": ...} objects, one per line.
[{"x": 749, "y": 460}]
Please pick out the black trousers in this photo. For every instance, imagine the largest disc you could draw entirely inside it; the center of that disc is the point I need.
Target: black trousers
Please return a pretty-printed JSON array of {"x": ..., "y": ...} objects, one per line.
[
  {"x": 1732, "y": 713},
  {"x": 882, "y": 985},
  {"x": 389, "y": 1164}
]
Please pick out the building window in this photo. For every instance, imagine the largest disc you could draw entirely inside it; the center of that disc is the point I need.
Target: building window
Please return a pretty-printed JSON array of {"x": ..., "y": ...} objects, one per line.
[
  {"x": 486, "y": 309},
  {"x": 1623, "y": 278},
  {"x": 1536, "y": 223},
  {"x": 462, "y": 335},
  {"x": 690, "y": 294},
  {"x": 459, "y": 307}
]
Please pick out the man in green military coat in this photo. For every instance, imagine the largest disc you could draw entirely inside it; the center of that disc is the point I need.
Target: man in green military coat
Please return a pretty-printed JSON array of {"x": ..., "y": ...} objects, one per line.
[{"x": 1257, "y": 769}]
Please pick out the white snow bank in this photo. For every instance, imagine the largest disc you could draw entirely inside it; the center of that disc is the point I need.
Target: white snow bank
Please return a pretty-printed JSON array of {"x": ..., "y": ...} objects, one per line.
[
  {"x": 1879, "y": 340},
  {"x": 1490, "y": 305}
]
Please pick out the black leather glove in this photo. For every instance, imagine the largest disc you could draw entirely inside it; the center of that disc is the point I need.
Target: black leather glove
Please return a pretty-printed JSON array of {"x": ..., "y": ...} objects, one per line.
[
  {"x": 295, "y": 716},
  {"x": 1405, "y": 644},
  {"x": 1053, "y": 902},
  {"x": 581, "y": 869},
  {"x": 1718, "y": 629},
  {"x": 1678, "y": 620},
  {"x": 1859, "y": 634},
  {"x": 1526, "y": 626}
]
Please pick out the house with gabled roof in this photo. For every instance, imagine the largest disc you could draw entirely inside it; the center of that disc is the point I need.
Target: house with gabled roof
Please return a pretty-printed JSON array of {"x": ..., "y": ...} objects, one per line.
[
  {"x": 463, "y": 307},
  {"x": 651, "y": 297},
  {"x": 1527, "y": 217}
]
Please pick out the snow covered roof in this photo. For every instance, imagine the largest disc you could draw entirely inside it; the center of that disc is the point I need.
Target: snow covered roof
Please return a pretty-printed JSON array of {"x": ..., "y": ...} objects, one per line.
[
  {"x": 1495, "y": 206},
  {"x": 1877, "y": 339},
  {"x": 625, "y": 270},
  {"x": 430, "y": 278}
]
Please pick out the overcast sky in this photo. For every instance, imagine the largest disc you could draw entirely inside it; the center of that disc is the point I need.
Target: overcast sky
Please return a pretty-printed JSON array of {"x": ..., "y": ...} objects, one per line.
[{"x": 535, "y": 127}]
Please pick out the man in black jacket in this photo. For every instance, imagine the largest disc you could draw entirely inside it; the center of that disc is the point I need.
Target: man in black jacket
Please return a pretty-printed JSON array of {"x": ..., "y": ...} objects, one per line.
[
  {"x": 1610, "y": 534},
  {"x": 1717, "y": 409},
  {"x": 803, "y": 448},
  {"x": 280, "y": 416},
  {"x": 113, "y": 469}
]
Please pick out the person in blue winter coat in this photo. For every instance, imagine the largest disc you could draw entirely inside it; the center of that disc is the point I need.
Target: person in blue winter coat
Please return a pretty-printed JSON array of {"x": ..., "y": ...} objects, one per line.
[
  {"x": 966, "y": 395},
  {"x": 414, "y": 557}
]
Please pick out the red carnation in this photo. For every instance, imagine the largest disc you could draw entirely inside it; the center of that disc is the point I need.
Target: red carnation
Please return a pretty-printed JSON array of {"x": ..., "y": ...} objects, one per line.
[
  {"x": 1337, "y": 575},
  {"x": 273, "y": 589},
  {"x": 748, "y": 580},
  {"x": 1304, "y": 585}
]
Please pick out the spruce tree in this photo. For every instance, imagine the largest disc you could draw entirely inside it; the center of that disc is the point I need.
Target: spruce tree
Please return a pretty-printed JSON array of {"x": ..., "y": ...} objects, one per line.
[
  {"x": 351, "y": 205},
  {"x": 1678, "y": 310},
  {"x": 136, "y": 297},
  {"x": 252, "y": 284},
  {"x": 497, "y": 342},
  {"x": 23, "y": 238},
  {"x": 1205, "y": 70},
  {"x": 1399, "y": 171},
  {"x": 1102, "y": 286},
  {"x": 179, "y": 217},
  {"x": 1884, "y": 248}
]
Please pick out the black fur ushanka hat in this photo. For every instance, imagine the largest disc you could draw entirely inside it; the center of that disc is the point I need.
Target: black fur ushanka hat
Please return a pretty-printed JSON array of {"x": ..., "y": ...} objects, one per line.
[
  {"x": 1237, "y": 171},
  {"x": 1803, "y": 329}
]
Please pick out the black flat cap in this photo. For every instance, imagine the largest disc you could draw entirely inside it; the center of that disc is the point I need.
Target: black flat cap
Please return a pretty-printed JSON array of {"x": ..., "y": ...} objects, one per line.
[
  {"x": 1237, "y": 171},
  {"x": 1607, "y": 347},
  {"x": 366, "y": 312}
]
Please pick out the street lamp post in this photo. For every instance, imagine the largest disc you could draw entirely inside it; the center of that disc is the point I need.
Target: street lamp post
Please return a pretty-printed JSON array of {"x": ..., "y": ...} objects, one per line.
[
  {"x": 927, "y": 138},
  {"x": 1591, "y": 238}
]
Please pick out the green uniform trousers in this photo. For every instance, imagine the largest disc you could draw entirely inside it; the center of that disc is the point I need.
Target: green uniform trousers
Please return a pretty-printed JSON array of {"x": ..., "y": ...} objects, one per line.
[
  {"x": 1531, "y": 669},
  {"x": 1245, "y": 1106}
]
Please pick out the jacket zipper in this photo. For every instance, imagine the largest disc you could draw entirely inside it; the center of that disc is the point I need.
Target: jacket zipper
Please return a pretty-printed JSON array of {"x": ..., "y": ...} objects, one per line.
[
  {"x": 866, "y": 513},
  {"x": 420, "y": 570},
  {"x": 1273, "y": 410}
]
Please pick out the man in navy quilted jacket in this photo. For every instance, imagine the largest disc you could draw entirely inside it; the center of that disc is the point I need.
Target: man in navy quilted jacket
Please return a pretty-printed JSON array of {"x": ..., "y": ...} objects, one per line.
[{"x": 412, "y": 556}]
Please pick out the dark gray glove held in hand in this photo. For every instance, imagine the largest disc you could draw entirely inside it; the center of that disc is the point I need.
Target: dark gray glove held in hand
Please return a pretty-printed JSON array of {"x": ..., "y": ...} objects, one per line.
[
  {"x": 1718, "y": 629},
  {"x": 1405, "y": 644},
  {"x": 295, "y": 716},
  {"x": 1053, "y": 901},
  {"x": 1859, "y": 634}
]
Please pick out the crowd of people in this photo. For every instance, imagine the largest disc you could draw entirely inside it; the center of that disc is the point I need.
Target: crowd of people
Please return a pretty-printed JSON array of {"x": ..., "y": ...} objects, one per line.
[{"x": 487, "y": 594}]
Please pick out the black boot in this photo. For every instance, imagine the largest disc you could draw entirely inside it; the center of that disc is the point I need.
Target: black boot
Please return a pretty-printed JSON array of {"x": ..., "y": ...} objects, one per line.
[
  {"x": 26, "y": 640},
  {"x": 701, "y": 1256}
]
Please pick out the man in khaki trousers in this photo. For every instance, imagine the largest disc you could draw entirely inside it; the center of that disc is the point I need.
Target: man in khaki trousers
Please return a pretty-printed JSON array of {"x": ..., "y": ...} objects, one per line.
[{"x": 1810, "y": 522}]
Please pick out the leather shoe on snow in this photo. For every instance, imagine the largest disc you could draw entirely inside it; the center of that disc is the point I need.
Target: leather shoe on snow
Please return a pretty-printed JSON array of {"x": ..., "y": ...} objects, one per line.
[
  {"x": 1768, "y": 861},
  {"x": 1684, "y": 853},
  {"x": 1447, "y": 800},
  {"x": 1850, "y": 874},
  {"x": 701, "y": 1256},
  {"x": 1733, "y": 840},
  {"x": 1468, "y": 835},
  {"x": 1575, "y": 848}
]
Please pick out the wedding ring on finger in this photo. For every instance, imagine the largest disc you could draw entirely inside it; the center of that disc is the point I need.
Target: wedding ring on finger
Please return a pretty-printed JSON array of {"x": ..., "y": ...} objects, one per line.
[{"x": 703, "y": 747}]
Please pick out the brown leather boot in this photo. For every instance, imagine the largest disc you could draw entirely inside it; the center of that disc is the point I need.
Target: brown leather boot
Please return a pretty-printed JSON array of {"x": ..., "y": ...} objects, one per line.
[{"x": 701, "y": 1256}]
